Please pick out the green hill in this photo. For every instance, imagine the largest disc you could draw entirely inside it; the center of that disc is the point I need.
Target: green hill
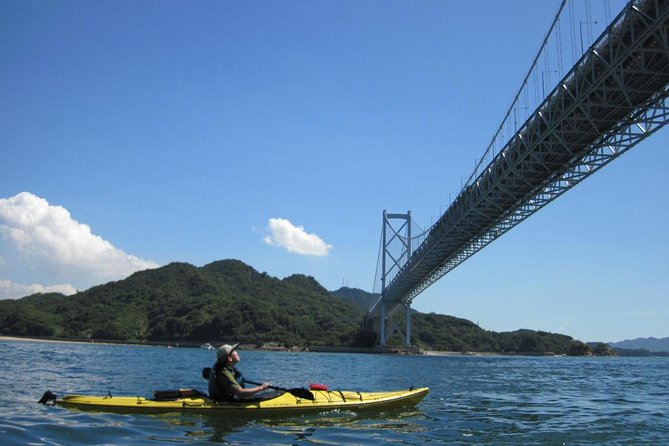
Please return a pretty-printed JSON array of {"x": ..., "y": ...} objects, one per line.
[
  {"x": 361, "y": 298},
  {"x": 228, "y": 300},
  {"x": 222, "y": 300}
]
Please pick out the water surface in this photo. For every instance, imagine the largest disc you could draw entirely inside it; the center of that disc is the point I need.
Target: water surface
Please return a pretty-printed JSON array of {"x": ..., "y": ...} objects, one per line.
[{"x": 473, "y": 399}]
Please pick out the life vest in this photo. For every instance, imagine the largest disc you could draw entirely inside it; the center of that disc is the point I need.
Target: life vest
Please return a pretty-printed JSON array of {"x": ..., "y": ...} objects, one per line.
[{"x": 219, "y": 392}]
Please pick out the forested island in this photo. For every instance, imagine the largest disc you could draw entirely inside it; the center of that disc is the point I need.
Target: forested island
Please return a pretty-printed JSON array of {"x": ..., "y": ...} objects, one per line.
[{"x": 228, "y": 300}]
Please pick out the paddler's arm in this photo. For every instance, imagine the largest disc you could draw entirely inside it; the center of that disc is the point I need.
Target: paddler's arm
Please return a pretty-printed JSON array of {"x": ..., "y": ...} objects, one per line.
[{"x": 245, "y": 393}]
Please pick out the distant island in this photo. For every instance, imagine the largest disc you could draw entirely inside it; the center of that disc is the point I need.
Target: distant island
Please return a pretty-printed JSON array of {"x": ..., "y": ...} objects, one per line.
[
  {"x": 641, "y": 347},
  {"x": 654, "y": 345},
  {"x": 228, "y": 300}
]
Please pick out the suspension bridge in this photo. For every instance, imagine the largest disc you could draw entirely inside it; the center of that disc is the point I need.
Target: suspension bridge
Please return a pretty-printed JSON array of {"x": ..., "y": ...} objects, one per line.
[{"x": 613, "y": 97}]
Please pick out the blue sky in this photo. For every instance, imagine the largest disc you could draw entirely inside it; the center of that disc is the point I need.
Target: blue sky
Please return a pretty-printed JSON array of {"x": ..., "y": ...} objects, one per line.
[{"x": 135, "y": 134}]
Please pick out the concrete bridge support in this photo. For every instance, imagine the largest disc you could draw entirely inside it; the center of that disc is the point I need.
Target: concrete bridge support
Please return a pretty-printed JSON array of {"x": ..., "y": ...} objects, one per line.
[{"x": 390, "y": 326}]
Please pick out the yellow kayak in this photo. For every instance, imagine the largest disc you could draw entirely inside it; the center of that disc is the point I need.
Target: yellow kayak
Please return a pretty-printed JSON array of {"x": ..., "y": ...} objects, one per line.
[{"x": 278, "y": 403}]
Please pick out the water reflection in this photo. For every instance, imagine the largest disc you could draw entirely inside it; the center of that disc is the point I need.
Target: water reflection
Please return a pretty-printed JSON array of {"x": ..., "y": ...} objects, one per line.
[{"x": 327, "y": 427}]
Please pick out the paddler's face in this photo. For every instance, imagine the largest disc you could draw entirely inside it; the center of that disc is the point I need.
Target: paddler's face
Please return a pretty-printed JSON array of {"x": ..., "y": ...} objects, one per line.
[{"x": 234, "y": 357}]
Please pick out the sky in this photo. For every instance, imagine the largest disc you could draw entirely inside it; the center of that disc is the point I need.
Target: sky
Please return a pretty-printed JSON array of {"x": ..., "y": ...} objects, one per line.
[{"x": 134, "y": 134}]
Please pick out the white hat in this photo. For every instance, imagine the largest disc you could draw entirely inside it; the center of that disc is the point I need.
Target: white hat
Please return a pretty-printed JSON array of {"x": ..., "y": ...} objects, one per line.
[{"x": 225, "y": 350}]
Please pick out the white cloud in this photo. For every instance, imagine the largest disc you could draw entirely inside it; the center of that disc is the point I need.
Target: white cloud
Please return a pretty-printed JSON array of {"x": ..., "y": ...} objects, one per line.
[
  {"x": 295, "y": 239},
  {"x": 11, "y": 290},
  {"x": 52, "y": 242}
]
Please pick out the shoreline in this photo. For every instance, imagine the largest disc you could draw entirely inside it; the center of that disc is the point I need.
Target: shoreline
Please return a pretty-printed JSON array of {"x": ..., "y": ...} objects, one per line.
[
  {"x": 77, "y": 341},
  {"x": 451, "y": 353},
  {"x": 271, "y": 347},
  {"x": 15, "y": 338}
]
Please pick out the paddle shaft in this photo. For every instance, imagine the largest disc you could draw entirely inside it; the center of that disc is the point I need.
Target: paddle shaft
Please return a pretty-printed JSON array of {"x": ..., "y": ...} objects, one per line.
[
  {"x": 300, "y": 393},
  {"x": 260, "y": 384}
]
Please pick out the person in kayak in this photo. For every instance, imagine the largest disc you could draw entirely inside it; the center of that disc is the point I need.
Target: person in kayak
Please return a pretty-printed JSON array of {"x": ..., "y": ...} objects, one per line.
[{"x": 225, "y": 381}]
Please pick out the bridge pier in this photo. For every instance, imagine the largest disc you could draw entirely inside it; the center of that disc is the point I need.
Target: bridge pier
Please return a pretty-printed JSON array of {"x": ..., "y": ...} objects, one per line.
[
  {"x": 407, "y": 334},
  {"x": 380, "y": 325}
]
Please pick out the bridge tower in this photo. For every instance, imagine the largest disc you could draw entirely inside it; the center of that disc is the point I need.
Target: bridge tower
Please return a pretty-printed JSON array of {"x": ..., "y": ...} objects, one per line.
[{"x": 396, "y": 252}]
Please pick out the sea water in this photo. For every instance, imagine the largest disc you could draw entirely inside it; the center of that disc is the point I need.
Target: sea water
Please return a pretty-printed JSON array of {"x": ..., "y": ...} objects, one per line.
[{"x": 495, "y": 400}]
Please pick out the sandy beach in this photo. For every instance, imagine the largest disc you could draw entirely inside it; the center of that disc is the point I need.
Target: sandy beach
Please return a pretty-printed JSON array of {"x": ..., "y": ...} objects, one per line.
[
  {"x": 57, "y": 341},
  {"x": 11, "y": 338}
]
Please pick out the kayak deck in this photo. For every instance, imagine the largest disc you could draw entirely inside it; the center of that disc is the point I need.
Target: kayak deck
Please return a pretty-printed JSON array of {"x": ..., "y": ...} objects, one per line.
[{"x": 283, "y": 402}]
